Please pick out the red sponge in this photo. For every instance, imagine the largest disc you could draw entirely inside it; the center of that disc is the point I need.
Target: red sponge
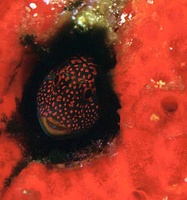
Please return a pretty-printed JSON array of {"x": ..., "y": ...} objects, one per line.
[{"x": 148, "y": 161}]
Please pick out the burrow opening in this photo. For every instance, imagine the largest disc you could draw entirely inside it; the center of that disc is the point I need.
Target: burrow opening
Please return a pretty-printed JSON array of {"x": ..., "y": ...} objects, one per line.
[
  {"x": 67, "y": 43},
  {"x": 169, "y": 104},
  {"x": 138, "y": 195}
]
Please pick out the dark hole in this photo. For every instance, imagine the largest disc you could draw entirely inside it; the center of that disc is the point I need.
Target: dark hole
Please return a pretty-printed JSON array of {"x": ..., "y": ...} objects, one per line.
[
  {"x": 169, "y": 104},
  {"x": 65, "y": 44},
  {"x": 138, "y": 195}
]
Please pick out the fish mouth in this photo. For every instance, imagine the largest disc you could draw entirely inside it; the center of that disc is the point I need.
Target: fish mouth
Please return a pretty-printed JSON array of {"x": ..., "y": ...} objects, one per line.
[{"x": 52, "y": 127}]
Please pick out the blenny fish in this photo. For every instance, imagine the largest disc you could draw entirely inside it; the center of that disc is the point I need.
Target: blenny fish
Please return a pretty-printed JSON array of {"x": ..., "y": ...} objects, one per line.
[{"x": 67, "y": 100}]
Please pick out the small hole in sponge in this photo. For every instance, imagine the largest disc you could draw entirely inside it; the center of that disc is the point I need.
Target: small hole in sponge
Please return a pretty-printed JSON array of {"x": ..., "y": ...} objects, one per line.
[
  {"x": 169, "y": 104},
  {"x": 138, "y": 195}
]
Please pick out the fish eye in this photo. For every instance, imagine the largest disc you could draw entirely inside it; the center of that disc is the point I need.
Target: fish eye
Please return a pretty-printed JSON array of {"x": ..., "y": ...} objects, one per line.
[
  {"x": 88, "y": 93},
  {"x": 56, "y": 80}
]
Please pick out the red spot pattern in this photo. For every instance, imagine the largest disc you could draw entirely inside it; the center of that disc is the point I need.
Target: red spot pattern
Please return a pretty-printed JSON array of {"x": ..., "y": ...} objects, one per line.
[{"x": 70, "y": 83}]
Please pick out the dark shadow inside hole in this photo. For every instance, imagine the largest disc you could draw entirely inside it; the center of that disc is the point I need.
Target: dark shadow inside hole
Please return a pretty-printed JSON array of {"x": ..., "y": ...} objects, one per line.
[
  {"x": 138, "y": 195},
  {"x": 69, "y": 42},
  {"x": 64, "y": 45},
  {"x": 169, "y": 104}
]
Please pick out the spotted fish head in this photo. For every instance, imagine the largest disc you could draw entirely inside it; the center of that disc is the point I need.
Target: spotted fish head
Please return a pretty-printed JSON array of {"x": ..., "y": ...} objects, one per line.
[{"x": 67, "y": 101}]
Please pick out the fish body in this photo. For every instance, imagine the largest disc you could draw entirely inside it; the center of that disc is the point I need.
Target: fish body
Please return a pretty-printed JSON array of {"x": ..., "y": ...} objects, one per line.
[{"x": 67, "y": 101}]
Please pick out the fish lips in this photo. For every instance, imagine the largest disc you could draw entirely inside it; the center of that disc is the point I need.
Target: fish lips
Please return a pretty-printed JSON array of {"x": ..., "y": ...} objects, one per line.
[{"x": 53, "y": 128}]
